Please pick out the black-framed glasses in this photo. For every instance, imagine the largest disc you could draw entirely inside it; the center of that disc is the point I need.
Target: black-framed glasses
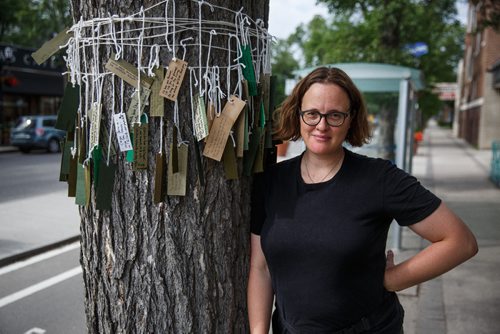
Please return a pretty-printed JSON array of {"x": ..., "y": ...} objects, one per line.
[{"x": 313, "y": 117}]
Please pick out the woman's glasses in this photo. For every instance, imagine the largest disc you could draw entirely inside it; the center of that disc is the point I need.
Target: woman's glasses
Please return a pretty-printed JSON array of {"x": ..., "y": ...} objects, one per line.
[{"x": 313, "y": 117}]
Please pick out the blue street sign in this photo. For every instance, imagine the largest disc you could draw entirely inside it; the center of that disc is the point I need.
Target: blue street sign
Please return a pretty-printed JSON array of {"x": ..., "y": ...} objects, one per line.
[{"x": 417, "y": 49}]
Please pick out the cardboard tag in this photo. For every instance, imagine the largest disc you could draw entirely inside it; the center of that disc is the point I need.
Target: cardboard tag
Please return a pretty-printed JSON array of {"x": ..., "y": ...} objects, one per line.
[
  {"x": 122, "y": 133},
  {"x": 51, "y": 47},
  {"x": 96, "y": 163},
  {"x": 73, "y": 171},
  {"x": 200, "y": 118},
  {"x": 132, "y": 115},
  {"x": 221, "y": 127},
  {"x": 265, "y": 80},
  {"x": 95, "y": 124},
  {"x": 249, "y": 159},
  {"x": 82, "y": 142},
  {"x": 173, "y": 79},
  {"x": 159, "y": 190},
  {"x": 127, "y": 72},
  {"x": 248, "y": 69},
  {"x": 199, "y": 164},
  {"x": 174, "y": 154},
  {"x": 229, "y": 160},
  {"x": 176, "y": 184},
  {"x": 258, "y": 165},
  {"x": 81, "y": 185},
  {"x": 240, "y": 133},
  {"x": 104, "y": 192},
  {"x": 157, "y": 105},
  {"x": 65, "y": 158},
  {"x": 140, "y": 146},
  {"x": 69, "y": 107}
]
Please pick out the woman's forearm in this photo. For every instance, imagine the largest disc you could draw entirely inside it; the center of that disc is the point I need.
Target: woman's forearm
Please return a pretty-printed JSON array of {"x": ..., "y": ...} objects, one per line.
[{"x": 259, "y": 300}]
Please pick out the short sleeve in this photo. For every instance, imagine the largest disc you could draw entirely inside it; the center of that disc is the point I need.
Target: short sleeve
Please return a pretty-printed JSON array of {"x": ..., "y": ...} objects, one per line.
[
  {"x": 405, "y": 198},
  {"x": 258, "y": 210}
]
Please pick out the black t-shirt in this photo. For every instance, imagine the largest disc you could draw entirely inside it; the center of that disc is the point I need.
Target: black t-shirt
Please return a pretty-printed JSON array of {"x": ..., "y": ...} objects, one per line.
[{"x": 324, "y": 243}]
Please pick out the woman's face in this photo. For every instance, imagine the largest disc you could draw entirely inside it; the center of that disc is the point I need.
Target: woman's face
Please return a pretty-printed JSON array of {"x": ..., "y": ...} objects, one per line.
[{"x": 323, "y": 139}]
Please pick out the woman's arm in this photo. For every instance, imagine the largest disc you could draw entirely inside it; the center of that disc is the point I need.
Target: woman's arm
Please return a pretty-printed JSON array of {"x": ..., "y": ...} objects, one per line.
[
  {"x": 452, "y": 244},
  {"x": 259, "y": 292}
]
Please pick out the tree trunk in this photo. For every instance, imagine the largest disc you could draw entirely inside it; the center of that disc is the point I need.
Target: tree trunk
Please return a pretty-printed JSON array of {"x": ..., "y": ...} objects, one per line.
[{"x": 179, "y": 266}]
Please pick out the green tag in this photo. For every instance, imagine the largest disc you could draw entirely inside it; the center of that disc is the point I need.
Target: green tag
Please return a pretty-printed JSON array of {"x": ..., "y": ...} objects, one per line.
[
  {"x": 73, "y": 166},
  {"x": 96, "y": 159},
  {"x": 248, "y": 70},
  {"x": 104, "y": 192},
  {"x": 249, "y": 158},
  {"x": 130, "y": 153},
  {"x": 69, "y": 107},
  {"x": 159, "y": 190},
  {"x": 199, "y": 164},
  {"x": 82, "y": 147},
  {"x": 65, "y": 158},
  {"x": 81, "y": 195},
  {"x": 229, "y": 161},
  {"x": 174, "y": 152},
  {"x": 140, "y": 146}
]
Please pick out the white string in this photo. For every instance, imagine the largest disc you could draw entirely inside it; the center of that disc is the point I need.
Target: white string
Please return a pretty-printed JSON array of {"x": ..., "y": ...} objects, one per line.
[
  {"x": 139, "y": 58},
  {"x": 111, "y": 123},
  {"x": 154, "y": 60},
  {"x": 183, "y": 44},
  {"x": 161, "y": 135}
]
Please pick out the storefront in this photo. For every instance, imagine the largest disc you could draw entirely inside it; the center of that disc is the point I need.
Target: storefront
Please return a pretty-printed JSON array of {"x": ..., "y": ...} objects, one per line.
[{"x": 26, "y": 88}]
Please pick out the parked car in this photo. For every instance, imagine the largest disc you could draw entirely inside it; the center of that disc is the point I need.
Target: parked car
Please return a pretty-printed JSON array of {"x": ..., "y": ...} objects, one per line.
[{"x": 37, "y": 132}]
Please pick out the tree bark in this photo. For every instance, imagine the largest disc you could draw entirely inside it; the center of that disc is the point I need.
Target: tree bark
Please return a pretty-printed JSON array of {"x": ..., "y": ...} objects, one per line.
[{"x": 180, "y": 266}]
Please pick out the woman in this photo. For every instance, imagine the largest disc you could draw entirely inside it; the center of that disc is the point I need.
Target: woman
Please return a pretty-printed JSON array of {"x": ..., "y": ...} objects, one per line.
[{"x": 320, "y": 223}]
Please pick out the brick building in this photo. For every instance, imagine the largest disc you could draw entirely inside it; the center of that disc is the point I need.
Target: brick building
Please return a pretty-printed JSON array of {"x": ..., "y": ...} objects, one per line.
[{"x": 478, "y": 103}]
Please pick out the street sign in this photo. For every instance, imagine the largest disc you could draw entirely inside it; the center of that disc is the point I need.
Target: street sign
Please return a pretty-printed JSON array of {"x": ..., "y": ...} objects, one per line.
[{"x": 417, "y": 49}]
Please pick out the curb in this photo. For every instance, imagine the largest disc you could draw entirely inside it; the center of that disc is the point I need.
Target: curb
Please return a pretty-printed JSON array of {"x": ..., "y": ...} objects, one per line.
[{"x": 32, "y": 252}]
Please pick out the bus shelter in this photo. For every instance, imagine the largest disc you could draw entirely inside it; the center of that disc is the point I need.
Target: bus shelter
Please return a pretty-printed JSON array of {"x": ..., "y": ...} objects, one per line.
[{"x": 386, "y": 78}]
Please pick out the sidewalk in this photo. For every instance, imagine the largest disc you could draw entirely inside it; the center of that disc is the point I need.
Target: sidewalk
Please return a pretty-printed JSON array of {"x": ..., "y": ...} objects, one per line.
[{"x": 466, "y": 299}]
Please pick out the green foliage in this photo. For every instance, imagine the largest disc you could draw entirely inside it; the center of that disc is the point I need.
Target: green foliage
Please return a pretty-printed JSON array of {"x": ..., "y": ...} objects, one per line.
[
  {"x": 283, "y": 64},
  {"x": 490, "y": 12},
  {"x": 29, "y": 23},
  {"x": 378, "y": 30}
]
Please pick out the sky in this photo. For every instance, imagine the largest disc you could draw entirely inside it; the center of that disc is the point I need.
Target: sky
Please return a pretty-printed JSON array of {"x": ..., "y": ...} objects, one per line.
[{"x": 286, "y": 15}]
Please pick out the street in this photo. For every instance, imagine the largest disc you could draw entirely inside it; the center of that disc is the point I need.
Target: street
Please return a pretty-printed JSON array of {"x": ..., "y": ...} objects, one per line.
[{"x": 44, "y": 293}]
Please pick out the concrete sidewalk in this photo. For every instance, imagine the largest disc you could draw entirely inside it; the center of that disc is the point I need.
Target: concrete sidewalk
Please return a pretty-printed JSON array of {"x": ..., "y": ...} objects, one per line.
[{"x": 466, "y": 299}]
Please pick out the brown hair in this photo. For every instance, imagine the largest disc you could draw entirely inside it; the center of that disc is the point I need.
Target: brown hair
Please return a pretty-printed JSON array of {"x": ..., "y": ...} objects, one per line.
[{"x": 288, "y": 118}]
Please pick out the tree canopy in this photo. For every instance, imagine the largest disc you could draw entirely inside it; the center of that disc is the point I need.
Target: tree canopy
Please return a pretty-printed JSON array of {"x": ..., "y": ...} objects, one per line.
[
  {"x": 29, "y": 23},
  {"x": 381, "y": 31}
]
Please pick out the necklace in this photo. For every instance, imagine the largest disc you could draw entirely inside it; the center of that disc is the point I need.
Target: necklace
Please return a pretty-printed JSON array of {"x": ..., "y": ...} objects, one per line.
[{"x": 324, "y": 177}]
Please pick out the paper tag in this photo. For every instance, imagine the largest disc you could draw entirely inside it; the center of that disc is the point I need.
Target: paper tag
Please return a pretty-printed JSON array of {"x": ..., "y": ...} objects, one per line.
[
  {"x": 82, "y": 142},
  {"x": 176, "y": 185},
  {"x": 199, "y": 163},
  {"x": 104, "y": 192},
  {"x": 96, "y": 159},
  {"x": 65, "y": 159},
  {"x": 156, "y": 108},
  {"x": 174, "y": 156},
  {"x": 159, "y": 190},
  {"x": 95, "y": 124},
  {"x": 69, "y": 107},
  {"x": 229, "y": 160},
  {"x": 200, "y": 118},
  {"x": 258, "y": 165},
  {"x": 132, "y": 115},
  {"x": 249, "y": 160},
  {"x": 51, "y": 47},
  {"x": 265, "y": 80},
  {"x": 127, "y": 72},
  {"x": 140, "y": 146},
  {"x": 240, "y": 133},
  {"x": 221, "y": 127},
  {"x": 248, "y": 69},
  {"x": 73, "y": 171},
  {"x": 81, "y": 185},
  {"x": 122, "y": 133},
  {"x": 173, "y": 79}
]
